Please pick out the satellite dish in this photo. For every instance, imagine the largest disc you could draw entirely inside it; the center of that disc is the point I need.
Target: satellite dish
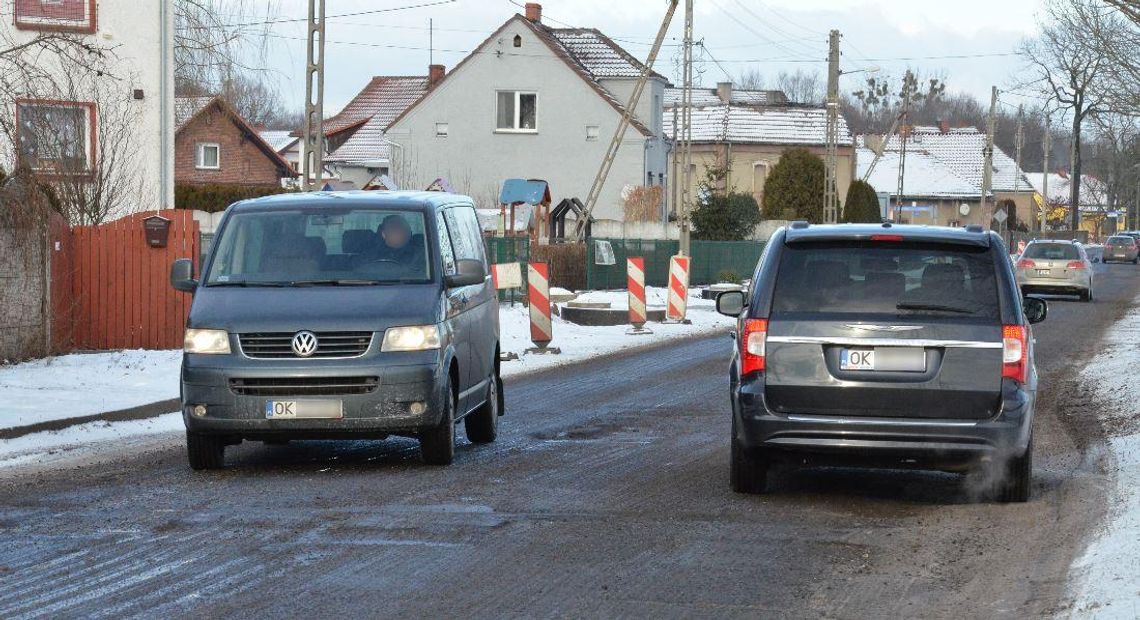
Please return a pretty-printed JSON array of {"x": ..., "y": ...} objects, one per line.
[{"x": 964, "y": 209}]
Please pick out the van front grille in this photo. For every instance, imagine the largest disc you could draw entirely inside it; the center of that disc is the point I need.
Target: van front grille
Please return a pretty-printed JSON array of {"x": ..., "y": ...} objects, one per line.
[
  {"x": 329, "y": 345},
  {"x": 310, "y": 386}
]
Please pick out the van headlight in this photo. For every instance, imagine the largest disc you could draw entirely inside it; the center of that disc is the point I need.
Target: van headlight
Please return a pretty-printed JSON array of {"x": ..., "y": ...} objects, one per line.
[
  {"x": 207, "y": 341},
  {"x": 417, "y": 338}
]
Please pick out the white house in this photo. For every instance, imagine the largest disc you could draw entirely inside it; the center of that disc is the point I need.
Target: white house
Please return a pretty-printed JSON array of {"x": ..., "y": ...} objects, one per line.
[
  {"x": 113, "y": 113},
  {"x": 535, "y": 102}
]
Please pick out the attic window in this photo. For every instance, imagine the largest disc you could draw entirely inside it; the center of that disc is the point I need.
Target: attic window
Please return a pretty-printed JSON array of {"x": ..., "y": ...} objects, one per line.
[{"x": 518, "y": 41}]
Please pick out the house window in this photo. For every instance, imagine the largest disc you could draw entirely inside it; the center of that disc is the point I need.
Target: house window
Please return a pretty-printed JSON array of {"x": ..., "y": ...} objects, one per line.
[
  {"x": 518, "y": 111},
  {"x": 57, "y": 136},
  {"x": 518, "y": 41},
  {"x": 441, "y": 130},
  {"x": 62, "y": 15},
  {"x": 592, "y": 132},
  {"x": 209, "y": 156}
]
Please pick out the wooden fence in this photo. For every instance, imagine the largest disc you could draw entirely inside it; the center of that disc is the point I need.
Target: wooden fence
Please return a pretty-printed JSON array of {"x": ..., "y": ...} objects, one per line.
[{"x": 111, "y": 290}]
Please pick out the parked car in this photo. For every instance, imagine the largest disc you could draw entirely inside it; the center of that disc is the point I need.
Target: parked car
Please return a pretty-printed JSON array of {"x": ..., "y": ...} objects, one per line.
[
  {"x": 341, "y": 316},
  {"x": 1056, "y": 267},
  {"x": 899, "y": 346},
  {"x": 1121, "y": 248}
]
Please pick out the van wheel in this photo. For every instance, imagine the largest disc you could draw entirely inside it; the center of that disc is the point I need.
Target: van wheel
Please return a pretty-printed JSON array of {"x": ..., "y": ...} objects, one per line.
[
  {"x": 437, "y": 445},
  {"x": 1015, "y": 485},
  {"x": 482, "y": 426},
  {"x": 748, "y": 469},
  {"x": 205, "y": 451}
]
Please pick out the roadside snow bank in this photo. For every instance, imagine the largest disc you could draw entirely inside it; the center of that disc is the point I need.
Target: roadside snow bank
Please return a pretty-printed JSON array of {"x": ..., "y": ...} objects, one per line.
[
  {"x": 1108, "y": 584},
  {"x": 42, "y": 447}
]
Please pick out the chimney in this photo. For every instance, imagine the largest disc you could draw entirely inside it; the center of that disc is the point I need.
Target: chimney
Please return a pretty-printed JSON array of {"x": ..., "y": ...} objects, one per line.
[
  {"x": 724, "y": 91},
  {"x": 534, "y": 12},
  {"x": 435, "y": 74},
  {"x": 943, "y": 125}
]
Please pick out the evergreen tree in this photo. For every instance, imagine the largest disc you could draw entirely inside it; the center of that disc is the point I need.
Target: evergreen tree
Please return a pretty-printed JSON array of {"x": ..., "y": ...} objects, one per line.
[
  {"x": 862, "y": 204},
  {"x": 794, "y": 189}
]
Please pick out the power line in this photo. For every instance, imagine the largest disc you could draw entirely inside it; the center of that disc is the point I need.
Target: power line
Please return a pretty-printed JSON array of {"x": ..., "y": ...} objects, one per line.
[
  {"x": 290, "y": 20},
  {"x": 768, "y": 25},
  {"x": 732, "y": 16},
  {"x": 706, "y": 50}
]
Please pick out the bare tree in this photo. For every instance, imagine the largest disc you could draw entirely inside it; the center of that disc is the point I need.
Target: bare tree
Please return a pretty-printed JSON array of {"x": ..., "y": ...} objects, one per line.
[
  {"x": 802, "y": 86},
  {"x": 1069, "y": 70},
  {"x": 751, "y": 79}
]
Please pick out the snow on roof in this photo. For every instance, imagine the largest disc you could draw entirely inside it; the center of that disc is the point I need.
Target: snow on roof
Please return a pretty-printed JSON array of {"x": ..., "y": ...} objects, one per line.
[
  {"x": 186, "y": 108},
  {"x": 793, "y": 125},
  {"x": 597, "y": 54},
  {"x": 278, "y": 139},
  {"x": 962, "y": 150},
  {"x": 709, "y": 96},
  {"x": 381, "y": 101},
  {"x": 925, "y": 176},
  {"x": 1093, "y": 192}
]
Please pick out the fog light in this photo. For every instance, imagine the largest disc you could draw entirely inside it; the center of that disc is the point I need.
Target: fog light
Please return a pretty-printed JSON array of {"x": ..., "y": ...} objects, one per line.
[
  {"x": 418, "y": 408},
  {"x": 200, "y": 411}
]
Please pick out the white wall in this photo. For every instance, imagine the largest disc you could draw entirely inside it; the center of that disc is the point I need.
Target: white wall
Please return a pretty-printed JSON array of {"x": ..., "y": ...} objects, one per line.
[
  {"x": 139, "y": 36},
  {"x": 477, "y": 159}
]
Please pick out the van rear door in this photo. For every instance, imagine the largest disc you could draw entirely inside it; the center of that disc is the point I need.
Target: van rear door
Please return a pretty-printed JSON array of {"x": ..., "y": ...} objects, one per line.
[{"x": 885, "y": 329}]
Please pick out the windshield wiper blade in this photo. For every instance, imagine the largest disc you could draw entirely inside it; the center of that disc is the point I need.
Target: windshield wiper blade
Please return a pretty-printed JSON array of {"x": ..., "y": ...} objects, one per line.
[
  {"x": 343, "y": 282},
  {"x": 933, "y": 307},
  {"x": 243, "y": 284}
]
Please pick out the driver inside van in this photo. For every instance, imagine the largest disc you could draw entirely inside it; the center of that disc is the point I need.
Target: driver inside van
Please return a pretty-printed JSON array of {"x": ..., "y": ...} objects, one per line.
[{"x": 397, "y": 244}]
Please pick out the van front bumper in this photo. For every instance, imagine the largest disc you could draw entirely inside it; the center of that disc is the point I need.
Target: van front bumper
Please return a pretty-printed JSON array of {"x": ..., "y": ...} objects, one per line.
[
  {"x": 229, "y": 389},
  {"x": 936, "y": 443}
]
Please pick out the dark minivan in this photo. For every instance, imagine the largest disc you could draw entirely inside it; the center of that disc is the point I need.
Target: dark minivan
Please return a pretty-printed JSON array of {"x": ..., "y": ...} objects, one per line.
[
  {"x": 895, "y": 346},
  {"x": 341, "y": 315}
]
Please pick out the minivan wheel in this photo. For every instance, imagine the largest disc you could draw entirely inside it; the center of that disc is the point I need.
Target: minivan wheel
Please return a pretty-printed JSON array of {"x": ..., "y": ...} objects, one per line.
[
  {"x": 482, "y": 426},
  {"x": 1018, "y": 480},
  {"x": 205, "y": 451},
  {"x": 437, "y": 445},
  {"x": 748, "y": 469}
]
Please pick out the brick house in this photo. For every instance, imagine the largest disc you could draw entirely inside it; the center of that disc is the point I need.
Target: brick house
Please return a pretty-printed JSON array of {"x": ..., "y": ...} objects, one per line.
[{"x": 214, "y": 145}]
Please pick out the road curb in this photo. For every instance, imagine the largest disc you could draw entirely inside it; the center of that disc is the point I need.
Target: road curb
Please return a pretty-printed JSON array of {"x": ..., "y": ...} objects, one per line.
[{"x": 142, "y": 412}]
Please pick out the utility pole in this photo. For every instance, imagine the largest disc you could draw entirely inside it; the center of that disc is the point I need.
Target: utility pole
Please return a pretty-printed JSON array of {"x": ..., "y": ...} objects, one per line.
[
  {"x": 314, "y": 101},
  {"x": 674, "y": 181},
  {"x": 988, "y": 160},
  {"x": 687, "y": 131},
  {"x": 1019, "y": 140},
  {"x": 904, "y": 133},
  {"x": 831, "y": 160},
  {"x": 1047, "y": 147}
]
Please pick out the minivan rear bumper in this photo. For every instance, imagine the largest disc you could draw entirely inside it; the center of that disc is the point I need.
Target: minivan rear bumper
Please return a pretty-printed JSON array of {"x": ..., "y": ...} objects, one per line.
[
  {"x": 386, "y": 409},
  {"x": 935, "y": 443}
]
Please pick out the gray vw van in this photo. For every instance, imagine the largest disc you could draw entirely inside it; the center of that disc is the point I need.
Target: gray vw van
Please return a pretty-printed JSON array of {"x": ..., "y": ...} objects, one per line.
[{"x": 342, "y": 315}]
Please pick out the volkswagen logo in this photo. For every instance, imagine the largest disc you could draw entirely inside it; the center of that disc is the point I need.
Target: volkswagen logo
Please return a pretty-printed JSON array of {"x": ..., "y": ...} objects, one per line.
[{"x": 304, "y": 344}]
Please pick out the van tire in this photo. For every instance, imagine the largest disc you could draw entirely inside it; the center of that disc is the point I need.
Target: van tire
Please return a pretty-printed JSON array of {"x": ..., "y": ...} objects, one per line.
[
  {"x": 482, "y": 425},
  {"x": 1017, "y": 483},
  {"x": 205, "y": 451},
  {"x": 748, "y": 469},
  {"x": 437, "y": 445}
]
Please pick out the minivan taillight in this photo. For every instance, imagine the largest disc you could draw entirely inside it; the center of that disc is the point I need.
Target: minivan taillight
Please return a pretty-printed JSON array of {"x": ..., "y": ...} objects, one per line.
[
  {"x": 1015, "y": 353},
  {"x": 1076, "y": 264},
  {"x": 752, "y": 345},
  {"x": 1025, "y": 263}
]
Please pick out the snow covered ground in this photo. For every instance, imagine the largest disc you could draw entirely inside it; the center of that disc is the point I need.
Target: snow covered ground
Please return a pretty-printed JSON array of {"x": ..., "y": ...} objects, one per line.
[
  {"x": 1108, "y": 573},
  {"x": 85, "y": 384}
]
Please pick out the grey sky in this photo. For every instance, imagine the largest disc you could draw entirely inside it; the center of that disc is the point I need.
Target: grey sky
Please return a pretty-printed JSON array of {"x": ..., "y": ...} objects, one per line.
[{"x": 770, "y": 35}]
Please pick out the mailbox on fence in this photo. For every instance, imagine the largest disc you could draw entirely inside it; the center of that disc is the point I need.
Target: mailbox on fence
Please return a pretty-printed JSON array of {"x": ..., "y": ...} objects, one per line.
[{"x": 157, "y": 231}]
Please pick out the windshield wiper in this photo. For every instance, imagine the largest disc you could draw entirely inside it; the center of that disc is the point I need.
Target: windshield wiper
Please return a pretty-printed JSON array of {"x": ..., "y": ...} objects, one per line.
[
  {"x": 933, "y": 307},
  {"x": 243, "y": 284},
  {"x": 343, "y": 282}
]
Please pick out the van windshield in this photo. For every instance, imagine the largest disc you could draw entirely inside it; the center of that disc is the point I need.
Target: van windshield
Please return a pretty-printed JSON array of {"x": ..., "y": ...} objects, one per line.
[
  {"x": 900, "y": 279},
  {"x": 319, "y": 246}
]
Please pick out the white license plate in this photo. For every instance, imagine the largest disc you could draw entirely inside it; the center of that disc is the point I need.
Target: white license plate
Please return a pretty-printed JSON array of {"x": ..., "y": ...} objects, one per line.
[
  {"x": 1043, "y": 272},
  {"x": 303, "y": 409},
  {"x": 857, "y": 359}
]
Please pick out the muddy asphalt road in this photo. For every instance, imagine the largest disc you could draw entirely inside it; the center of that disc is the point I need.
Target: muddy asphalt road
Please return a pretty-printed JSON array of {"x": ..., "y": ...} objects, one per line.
[{"x": 606, "y": 495}]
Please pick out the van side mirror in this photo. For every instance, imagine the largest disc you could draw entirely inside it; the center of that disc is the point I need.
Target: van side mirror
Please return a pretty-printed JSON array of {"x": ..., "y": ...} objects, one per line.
[
  {"x": 1036, "y": 309},
  {"x": 468, "y": 272},
  {"x": 182, "y": 275},
  {"x": 731, "y": 303}
]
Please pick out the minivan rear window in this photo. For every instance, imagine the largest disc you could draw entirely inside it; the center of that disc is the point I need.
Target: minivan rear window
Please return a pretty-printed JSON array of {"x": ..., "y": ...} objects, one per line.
[
  {"x": 1052, "y": 251},
  {"x": 1124, "y": 241},
  {"x": 900, "y": 279}
]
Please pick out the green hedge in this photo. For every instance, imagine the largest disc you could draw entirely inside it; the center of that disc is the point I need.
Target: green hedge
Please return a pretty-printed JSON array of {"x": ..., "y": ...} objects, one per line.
[{"x": 214, "y": 198}]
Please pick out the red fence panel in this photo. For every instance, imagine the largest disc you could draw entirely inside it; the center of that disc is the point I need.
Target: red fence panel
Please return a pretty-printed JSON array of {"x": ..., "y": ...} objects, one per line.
[{"x": 110, "y": 289}]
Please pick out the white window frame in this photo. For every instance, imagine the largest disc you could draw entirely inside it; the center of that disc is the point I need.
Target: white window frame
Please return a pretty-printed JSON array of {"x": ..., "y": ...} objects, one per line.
[
  {"x": 518, "y": 111},
  {"x": 442, "y": 130},
  {"x": 593, "y": 133},
  {"x": 90, "y": 132},
  {"x": 200, "y": 161}
]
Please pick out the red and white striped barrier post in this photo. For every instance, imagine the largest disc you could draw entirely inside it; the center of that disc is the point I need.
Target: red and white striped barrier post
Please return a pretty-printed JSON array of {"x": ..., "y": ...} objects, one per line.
[
  {"x": 538, "y": 296},
  {"x": 635, "y": 274},
  {"x": 678, "y": 304}
]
